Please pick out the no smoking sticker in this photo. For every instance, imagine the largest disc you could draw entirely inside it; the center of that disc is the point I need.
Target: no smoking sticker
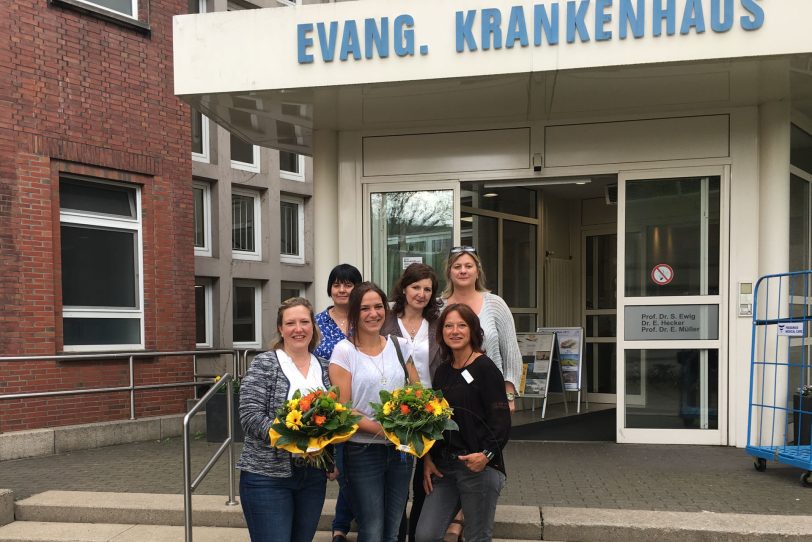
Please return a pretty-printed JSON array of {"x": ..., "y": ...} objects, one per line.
[{"x": 662, "y": 274}]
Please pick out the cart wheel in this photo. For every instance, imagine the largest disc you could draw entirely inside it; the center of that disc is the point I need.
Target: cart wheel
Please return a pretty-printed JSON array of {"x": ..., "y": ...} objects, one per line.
[
  {"x": 805, "y": 479},
  {"x": 760, "y": 464}
]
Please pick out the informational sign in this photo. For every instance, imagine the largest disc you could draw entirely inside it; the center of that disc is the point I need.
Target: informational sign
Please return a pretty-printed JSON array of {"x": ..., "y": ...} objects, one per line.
[
  {"x": 570, "y": 353},
  {"x": 671, "y": 322},
  {"x": 662, "y": 274},
  {"x": 537, "y": 353},
  {"x": 409, "y": 260},
  {"x": 791, "y": 329}
]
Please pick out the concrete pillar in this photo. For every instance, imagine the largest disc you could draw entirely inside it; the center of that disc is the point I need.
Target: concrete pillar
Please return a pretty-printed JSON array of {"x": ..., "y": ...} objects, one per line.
[{"x": 325, "y": 221}]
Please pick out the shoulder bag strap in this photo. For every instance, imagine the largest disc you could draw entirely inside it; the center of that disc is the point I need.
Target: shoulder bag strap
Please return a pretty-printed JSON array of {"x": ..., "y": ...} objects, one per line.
[{"x": 396, "y": 342}]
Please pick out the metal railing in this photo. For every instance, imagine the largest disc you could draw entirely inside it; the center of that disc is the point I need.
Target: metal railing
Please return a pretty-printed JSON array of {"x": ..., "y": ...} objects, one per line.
[
  {"x": 131, "y": 357},
  {"x": 190, "y": 485}
]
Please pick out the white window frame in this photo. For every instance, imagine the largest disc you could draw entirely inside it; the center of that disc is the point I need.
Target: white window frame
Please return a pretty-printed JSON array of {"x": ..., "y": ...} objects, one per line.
[
  {"x": 118, "y": 223},
  {"x": 133, "y": 3},
  {"x": 205, "y": 250},
  {"x": 257, "y": 313},
  {"x": 253, "y": 167},
  {"x": 289, "y": 2},
  {"x": 204, "y": 156},
  {"x": 209, "y": 311},
  {"x": 294, "y": 258},
  {"x": 293, "y": 175},
  {"x": 288, "y": 285},
  {"x": 256, "y": 254}
]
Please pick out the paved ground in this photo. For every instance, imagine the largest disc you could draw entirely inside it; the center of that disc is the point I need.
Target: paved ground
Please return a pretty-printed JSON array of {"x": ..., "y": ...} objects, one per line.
[{"x": 596, "y": 475}]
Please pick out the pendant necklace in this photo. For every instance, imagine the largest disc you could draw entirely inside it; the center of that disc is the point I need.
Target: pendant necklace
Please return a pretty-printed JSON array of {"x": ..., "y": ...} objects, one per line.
[
  {"x": 380, "y": 370},
  {"x": 342, "y": 324}
]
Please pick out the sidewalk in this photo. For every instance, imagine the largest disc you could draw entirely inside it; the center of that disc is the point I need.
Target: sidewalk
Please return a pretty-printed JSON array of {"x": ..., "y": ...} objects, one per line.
[{"x": 580, "y": 475}]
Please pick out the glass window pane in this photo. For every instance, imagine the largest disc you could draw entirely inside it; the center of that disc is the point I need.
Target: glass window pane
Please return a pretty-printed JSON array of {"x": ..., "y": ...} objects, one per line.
[
  {"x": 96, "y": 198},
  {"x": 665, "y": 221},
  {"x": 289, "y": 228},
  {"x": 120, "y": 6},
  {"x": 200, "y": 314},
  {"x": 601, "y": 372},
  {"x": 97, "y": 331},
  {"x": 524, "y": 322},
  {"x": 410, "y": 225},
  {"x": 200, "y": 226},
  {"x": 601, "y": 271},
  {"x": 241, "y": 150},
  {"x": 604, "y": 325},
  {"x": 242, "y": 223},
  {"x": 482, "y": 233},
  {"x": 513, "y": 200},
  {"x": 801, "y": 149},
  {"x": 519, "y": 284},
  {"x": 98, "y": 267},
  {"x": 244, "y": 314},
  {"x": 672, "y": 389},
  {"x": 197, "y": 132},
  {"x": 289, "y": 161}
]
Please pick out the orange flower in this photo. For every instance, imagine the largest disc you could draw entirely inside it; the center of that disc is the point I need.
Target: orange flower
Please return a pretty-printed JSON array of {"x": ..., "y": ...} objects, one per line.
[
  {"x": 404, "y": 409},
  {"x": 304, "y": 403},
  {"x": 418, "y": 393},
  {"x": 319, "y": 420},
  {"x": 429, "y": 408},
  {"x": 332, "y": 395}
]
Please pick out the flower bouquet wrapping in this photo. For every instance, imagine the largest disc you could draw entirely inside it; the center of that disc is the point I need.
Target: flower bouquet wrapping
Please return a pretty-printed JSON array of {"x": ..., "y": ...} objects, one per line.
[
  {"x": 307, "y": 424},
  {"x": 414, "y": 418}
]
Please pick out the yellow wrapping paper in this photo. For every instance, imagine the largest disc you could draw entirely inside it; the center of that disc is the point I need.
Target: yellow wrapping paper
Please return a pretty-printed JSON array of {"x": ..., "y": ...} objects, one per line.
[
  {"x": 315, "y": 446},
  {"x": 408, "y": 448}
]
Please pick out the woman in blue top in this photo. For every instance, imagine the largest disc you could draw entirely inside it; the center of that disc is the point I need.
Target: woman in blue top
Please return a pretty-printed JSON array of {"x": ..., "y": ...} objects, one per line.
[{"x": 332, "y": 323}]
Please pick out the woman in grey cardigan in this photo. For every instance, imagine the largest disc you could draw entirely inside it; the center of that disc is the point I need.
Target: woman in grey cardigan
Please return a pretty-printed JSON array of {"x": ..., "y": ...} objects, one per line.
[{"x": 282, "y": 497}]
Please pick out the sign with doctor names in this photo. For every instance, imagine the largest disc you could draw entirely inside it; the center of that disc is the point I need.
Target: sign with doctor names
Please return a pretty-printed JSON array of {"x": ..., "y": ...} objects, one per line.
[{"x": 671, "y": 322}]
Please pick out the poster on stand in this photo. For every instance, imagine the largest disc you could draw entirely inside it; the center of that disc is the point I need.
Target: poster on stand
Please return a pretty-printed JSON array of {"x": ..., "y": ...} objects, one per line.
[
  {"x": 570, "y": 353},
  {"x": 537, "y": 354}
]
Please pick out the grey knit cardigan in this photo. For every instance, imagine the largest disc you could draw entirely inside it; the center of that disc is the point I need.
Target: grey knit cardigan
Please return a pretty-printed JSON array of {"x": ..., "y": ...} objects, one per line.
[{"x": 264, "y": 389}]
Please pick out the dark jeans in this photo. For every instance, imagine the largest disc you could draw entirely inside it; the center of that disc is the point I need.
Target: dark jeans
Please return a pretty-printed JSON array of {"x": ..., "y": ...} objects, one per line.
[
  {"x": 283, "y": 509},
  {"x": 344, "y": 514},
  {"x": 409, "y": 525},
  {"x": 478, "y": 492},
  {"x": 379, "y": 484}
]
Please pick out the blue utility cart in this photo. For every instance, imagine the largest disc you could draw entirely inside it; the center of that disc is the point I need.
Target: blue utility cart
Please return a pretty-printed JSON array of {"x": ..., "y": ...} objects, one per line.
[{"x": 780, "y": 416}]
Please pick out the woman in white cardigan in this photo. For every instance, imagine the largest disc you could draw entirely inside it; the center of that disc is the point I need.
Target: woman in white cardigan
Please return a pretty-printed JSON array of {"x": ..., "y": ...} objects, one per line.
[{"x": 466, "y": 284}]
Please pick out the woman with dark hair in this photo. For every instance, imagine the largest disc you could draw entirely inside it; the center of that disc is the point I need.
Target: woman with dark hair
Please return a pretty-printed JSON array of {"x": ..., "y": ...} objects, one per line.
[
  {"x": 467, "y": 466},
  {"x": 361, "y": 366},
  {"x": 414, "y": 314},
  {"x": 334, "y": 328},
  {"x": 282, "y": 497}
]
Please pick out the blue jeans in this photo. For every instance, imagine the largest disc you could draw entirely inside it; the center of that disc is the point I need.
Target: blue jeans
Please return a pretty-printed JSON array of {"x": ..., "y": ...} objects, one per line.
[
  {"x": 478, "y": 492},
  {"x": 379, "y": 484},
  {"x": 283, "y": 509},
  {"x": 344, "y": 515}
]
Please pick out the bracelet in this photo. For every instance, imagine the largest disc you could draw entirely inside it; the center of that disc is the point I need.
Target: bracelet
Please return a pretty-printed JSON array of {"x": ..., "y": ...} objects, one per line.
[{"x": 489, "y": 455}]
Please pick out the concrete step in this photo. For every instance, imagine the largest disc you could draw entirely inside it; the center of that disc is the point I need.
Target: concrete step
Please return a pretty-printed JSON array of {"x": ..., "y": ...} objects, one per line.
[
  {"x": 512, "y": 522},
  {"x": 35, "y": 531}
]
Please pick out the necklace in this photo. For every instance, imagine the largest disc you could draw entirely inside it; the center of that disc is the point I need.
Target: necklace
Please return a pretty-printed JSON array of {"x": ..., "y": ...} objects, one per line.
[
  {"x": 341, "y": 323},
  {"x": 412, "y": 330},
  {"x": 373, "y": 359},
  {"x": 465, "y": 364}
]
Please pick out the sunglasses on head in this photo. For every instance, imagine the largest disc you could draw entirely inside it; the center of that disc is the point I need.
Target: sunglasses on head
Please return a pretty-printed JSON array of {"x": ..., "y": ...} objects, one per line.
[{"x": 464, "y": 248}]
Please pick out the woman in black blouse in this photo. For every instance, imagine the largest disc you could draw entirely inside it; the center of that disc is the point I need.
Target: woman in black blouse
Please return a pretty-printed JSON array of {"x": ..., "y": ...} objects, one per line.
[{"x": 467, "y": 465}]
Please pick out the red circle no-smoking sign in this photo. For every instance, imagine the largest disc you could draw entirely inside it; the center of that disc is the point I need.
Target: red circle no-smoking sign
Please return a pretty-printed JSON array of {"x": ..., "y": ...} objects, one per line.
[{"x": 662, "y": 274}]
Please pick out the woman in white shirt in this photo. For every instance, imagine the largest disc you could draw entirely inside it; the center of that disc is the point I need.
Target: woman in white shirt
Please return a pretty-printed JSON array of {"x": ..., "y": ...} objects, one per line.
[
  {"x": 361, "y": 367},
  {"x": 282, "y": 497}
]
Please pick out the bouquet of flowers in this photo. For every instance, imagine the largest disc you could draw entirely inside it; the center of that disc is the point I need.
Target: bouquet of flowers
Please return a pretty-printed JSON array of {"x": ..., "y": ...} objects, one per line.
[
  {"x": 307, "y": 424},
  {"x": 414, "y": 418}
]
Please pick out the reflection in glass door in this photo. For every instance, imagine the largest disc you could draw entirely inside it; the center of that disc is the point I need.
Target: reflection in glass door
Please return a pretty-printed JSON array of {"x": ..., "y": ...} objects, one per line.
[
  {"x": 671, "y": 359},
  {"x": 600, "y": 315},
  {"x": 407, "y": 227}
]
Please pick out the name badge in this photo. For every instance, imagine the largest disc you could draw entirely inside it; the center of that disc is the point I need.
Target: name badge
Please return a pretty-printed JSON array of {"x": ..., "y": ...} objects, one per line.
[{"x": 467, "y": 376}]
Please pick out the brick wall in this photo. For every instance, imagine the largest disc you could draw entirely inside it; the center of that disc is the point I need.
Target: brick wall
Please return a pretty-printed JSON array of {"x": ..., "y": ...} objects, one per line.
[{"x": 83, "y": 95}]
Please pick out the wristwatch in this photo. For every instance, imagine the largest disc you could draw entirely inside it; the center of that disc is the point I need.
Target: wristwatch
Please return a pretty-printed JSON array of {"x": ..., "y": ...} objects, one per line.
[
  {"x": 489, "y": 455},
  {"x": 511, "y": 396}
]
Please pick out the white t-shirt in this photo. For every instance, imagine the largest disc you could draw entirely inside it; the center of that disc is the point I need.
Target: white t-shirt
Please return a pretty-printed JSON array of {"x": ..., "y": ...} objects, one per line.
[
  {"x": 420, "y": 350},
  {"x": 370, "y": 375},
  {"x": 297, "y": 380}
]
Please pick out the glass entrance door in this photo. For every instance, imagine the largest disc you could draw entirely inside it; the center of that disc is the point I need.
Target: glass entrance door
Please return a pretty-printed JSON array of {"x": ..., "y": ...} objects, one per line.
[
  {"x": 671, "y": 365},
  {"x": 408, "y": 226},
  {"x": 600, "y": 314}
]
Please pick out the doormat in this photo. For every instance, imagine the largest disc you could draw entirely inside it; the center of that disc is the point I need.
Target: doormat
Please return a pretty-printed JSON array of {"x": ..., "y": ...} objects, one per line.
[{"x": 590, "y": 426}]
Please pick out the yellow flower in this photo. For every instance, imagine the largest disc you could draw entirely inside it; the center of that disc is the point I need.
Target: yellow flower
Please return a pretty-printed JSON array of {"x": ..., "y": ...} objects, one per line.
[
  {"x": 437, "y": 408},
  {"x": 396, "y": 394},
  {"x": 217, "y": 379},
  {"x": 293, "y": 403},
  {"x": 387, "y": 408},
  {"x": 340, "y": 408},
  {"x": 294, "y": 420}
]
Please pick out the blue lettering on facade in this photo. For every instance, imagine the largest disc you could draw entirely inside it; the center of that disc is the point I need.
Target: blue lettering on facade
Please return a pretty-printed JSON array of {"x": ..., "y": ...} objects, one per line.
[{"x": 492, "y": 29}]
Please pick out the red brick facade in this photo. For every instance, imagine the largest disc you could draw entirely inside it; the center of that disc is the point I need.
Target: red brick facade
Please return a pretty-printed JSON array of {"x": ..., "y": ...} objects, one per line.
[{"x": 79, "y": 94}]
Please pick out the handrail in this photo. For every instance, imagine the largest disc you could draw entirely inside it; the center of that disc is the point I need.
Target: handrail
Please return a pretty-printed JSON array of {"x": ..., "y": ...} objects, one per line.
[
  {"x": 190, "y": 485},
  {"x": 131, "y": 387}
]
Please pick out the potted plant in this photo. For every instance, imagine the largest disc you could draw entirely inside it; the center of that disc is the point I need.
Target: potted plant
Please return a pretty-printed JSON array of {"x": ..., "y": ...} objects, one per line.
[
  {"x": 802, "y": 415},
  {"x": 216, "y": 420}
]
